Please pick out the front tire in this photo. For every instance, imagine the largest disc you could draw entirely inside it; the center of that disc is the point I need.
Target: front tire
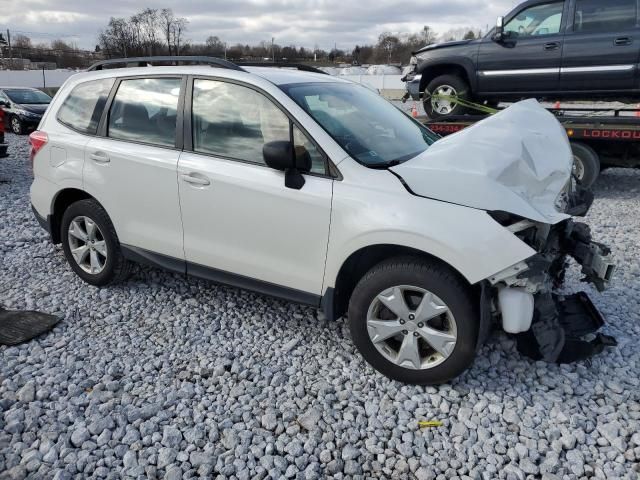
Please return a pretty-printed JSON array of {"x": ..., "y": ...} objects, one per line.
[
  {"x": 452, "y": 85},
  {"x": 91, "y": 245},
  {"x": 17, "y": 127},
  {"x": 414, "y": 321}
]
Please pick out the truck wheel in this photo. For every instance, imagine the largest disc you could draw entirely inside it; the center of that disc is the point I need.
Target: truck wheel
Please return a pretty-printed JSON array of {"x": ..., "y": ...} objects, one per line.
[
  {"x": 91, "y": 246},
  {"x": 586, "y": 164},
  {"x": 445, "y": 85},
  {"x": 414, "y": 321}
]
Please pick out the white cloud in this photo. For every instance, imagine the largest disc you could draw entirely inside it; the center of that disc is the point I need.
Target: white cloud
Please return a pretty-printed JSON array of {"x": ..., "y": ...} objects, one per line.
[{"x": 301, "y": 22}]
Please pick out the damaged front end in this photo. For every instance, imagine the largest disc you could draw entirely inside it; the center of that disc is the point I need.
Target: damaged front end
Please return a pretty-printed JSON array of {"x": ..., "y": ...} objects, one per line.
[{"x": 551, "y": 326}]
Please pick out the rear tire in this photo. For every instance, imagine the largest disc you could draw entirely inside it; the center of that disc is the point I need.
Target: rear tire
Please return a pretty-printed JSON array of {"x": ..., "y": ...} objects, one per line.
[
  {"x": 449, "y": 84},
  {"x": 450, "y": 305},
  {"x": 586, "y": 164},
  {"x": 91, "y": 245}
]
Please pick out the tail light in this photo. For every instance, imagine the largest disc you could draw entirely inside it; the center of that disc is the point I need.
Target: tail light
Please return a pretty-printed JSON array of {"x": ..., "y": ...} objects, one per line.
[{"x": 37, "y": 140}]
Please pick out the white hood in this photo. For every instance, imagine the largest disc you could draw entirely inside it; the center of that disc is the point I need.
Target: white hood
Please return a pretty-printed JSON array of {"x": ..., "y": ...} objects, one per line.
[{"x": 517, "y": 161}]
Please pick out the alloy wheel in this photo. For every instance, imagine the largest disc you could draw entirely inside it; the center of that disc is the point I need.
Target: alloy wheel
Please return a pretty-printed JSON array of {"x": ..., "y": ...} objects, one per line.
[
  {"x": 87, "y": 245},
  {"x": 411, "y": 327},
  {"x": 16, "y": 127},
  {"x": 441, "y": 105}
]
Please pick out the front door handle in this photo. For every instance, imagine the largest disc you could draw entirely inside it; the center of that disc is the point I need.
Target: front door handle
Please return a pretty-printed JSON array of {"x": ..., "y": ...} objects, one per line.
[
  {"x": 619, "y": 42},
  {"x": 195, "y": 180},
  {"x": 100, "y": 157},
  {"x": 551, "y": 46}
]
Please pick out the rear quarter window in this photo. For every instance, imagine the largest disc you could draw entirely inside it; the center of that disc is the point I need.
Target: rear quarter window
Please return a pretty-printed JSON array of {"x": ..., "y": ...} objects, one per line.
[{"x": 82, "y": 108}]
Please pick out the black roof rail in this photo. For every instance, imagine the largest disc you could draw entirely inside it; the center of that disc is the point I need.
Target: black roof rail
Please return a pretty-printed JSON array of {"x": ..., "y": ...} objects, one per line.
[
  {"x": 145, "y": 61},
  {"x": 297, "y": 66}
]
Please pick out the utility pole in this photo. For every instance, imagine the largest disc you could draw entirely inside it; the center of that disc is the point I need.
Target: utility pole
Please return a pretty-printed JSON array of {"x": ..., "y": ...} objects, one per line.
[
  {"x": 3, "y": 42},
  {"x": 273, "y": 52},
  {"x": 10, "y": 52},
  {"x": 225, "y": 50}
]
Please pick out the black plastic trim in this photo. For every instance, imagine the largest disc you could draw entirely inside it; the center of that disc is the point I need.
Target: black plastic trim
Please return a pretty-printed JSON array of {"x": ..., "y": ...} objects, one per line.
[
  {"x": 45, "y": 223},
  {"x": 248, "y": 283},
  {"x": 140, "y": 255},
  {"x": 176, "y": 265},
  {"x": 327, "y": 304}
]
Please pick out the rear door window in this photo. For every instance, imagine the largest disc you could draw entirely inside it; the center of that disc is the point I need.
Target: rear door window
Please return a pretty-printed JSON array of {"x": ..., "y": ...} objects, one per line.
[
  {"x": 82, "y": 109},
  {"x": 609, "y": 16},
  {"x": 145, "y": 110}
]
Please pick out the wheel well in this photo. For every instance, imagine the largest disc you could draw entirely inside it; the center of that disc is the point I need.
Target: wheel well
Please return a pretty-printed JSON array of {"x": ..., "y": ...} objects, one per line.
[
  {"x": 62, "y": 201},
  {"x": 430, "y": 73},
  {"x": 360, "y": 262}
]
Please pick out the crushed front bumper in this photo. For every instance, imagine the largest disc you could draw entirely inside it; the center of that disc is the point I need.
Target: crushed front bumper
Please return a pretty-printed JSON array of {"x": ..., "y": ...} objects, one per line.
[{"x": 555, "y": 328}]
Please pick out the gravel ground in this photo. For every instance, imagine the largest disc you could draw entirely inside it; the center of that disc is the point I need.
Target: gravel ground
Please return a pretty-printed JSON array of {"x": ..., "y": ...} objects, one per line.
[{"x": 166, "y": 377}]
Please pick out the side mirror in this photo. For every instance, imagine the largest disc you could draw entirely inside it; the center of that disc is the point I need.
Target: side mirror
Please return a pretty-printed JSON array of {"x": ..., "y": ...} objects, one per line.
[
  {"x": 4, "y": 104},
  {"x": 498, "y": 35},
  {"x": 281, "y": 155}
]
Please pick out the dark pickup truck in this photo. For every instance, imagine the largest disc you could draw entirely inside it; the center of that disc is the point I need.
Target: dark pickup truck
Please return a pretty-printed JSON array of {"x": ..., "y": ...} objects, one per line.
[{"x": 545, "y": 49}]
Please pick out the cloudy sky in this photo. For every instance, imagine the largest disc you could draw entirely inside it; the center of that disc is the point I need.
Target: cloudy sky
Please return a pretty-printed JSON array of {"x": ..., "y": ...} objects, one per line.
[{"x": 301, "y": 22}]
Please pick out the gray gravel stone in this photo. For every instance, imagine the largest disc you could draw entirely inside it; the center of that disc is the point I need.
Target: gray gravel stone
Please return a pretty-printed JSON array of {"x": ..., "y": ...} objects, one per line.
[
  {"x": 79, "y": 436},
  {"x": 171, "y": 437},
  {"x": 27, "y": 393},
  {"x": 309, "y": 420}
]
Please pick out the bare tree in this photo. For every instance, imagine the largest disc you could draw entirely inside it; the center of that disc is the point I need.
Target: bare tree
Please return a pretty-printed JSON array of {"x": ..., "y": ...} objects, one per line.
[
  {"x": 166, "y": 24},
  {"x": 388, "y": 44},
  {"x": 178, "y": 30},
  {"x": 21, "y": 42}
]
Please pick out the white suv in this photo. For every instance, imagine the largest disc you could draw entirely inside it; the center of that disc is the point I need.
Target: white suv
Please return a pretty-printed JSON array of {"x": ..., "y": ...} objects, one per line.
[{"x": 314, "y": 189}]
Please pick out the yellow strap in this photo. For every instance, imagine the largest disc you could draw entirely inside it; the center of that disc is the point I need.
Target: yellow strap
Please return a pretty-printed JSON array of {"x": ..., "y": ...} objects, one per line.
[{"x": 429, "y": 423}]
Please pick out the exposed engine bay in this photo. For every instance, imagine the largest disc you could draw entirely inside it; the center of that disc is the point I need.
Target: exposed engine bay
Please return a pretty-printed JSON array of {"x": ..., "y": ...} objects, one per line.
[{"x": 551, "y": 326}]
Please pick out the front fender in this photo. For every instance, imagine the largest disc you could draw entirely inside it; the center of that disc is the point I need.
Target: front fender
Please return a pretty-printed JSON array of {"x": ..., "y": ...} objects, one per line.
[
  {"x": 378, "y": 210},
  {"x": 432, "y": 67}
]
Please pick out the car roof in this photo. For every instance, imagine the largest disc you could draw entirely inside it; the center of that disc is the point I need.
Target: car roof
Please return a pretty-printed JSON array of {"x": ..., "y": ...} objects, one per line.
[
  {"x": 18, "y": 88},
  {"x": 274, "y": 75},
  {"x": 284, "y": 76}
]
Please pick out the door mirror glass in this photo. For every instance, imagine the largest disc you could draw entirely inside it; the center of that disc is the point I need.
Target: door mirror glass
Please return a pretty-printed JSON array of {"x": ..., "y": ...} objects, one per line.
[{"x": 281, "y": 155}]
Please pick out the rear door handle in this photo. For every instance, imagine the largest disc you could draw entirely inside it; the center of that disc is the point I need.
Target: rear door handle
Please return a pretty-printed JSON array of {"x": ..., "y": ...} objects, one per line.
[
  {"x": 100, "y": 157},
  {"x": 195, "y": 179},
  {"x": 623, "y": 41},
  {"x": 551, "y": 46}
]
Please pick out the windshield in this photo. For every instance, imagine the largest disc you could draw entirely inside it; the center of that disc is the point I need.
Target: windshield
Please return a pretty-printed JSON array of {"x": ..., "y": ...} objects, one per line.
[
  {"x": 28, "y": 97},
  {"x": 369, "y": 128}
]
